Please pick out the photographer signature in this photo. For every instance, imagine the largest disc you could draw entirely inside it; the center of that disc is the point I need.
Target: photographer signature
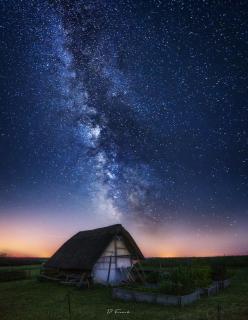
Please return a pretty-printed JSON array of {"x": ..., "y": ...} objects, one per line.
[{"x": 117, "y": 311}]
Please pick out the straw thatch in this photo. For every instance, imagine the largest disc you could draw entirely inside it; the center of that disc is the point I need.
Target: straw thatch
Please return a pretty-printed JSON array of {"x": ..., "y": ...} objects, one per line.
[{"x": 82, "y": 250}]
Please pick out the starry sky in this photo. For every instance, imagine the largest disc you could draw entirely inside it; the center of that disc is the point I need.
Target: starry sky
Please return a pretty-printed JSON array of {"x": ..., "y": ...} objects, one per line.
[{"x": 120, "y": 111}]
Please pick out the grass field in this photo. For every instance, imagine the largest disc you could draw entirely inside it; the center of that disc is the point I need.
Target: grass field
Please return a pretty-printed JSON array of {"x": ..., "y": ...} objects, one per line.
[
  {"x": 34, "y": 269},
  {"x": 30, "y": 299}
]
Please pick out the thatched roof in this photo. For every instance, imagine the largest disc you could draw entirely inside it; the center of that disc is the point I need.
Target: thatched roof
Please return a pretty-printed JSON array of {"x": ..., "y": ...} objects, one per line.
[{"x": 82, "y": 250}]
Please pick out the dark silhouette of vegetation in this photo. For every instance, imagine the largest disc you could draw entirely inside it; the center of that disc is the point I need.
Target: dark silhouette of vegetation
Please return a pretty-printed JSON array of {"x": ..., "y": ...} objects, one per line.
[
  {"x": 229, "y": 261},
  {"x": 14, "y": 275},
  {"x": 153, "y": 277},
  {"x": 6, "y": 261},
  {"x": 183, "y": 280},
  {"x": 218, "y": 271}
]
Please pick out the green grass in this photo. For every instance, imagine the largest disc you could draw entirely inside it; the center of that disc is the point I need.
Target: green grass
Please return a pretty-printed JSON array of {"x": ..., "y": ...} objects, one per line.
[
  {"x": 34, "y": 270},
  {"x": 30, "y": 299},
  {"x": 25, "y": 267}
]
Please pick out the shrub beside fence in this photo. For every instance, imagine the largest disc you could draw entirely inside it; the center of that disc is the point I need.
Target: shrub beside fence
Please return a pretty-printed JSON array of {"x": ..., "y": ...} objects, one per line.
[{"x": 215, "y": 287}]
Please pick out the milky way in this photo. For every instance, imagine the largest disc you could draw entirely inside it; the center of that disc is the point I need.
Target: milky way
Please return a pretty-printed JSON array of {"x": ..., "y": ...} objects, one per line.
[{"x": 135, "y": 109}]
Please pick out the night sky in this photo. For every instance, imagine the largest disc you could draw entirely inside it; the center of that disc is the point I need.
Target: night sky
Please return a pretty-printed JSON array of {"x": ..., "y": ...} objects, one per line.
[{"x": 120, "y": 111}]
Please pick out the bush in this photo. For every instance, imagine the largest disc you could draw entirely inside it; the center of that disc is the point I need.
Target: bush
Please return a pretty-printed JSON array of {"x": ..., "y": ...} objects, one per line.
[
  {"x": 183, "y": 280},
  {"x": 201, "y": 277},
  {"x": 153, "y": 277},
  {"x": 218, "y": 271},
  {"x": 168, "y": 287},
  {"x": 14, "y": 262},
  {"x": 13, "y": 275}
]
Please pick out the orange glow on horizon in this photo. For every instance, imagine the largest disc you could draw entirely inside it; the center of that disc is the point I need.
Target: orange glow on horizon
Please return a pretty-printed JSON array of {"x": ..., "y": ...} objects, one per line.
[{"x": 41, "y": 237}]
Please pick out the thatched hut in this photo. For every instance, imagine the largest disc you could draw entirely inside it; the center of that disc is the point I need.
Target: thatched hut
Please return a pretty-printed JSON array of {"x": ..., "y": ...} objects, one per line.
[{"x": 104, "y": 254}]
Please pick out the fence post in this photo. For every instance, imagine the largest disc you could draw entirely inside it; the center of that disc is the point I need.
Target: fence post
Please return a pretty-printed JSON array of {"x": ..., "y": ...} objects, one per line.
[
  {"x": 69, "y": 304},
  {"x": 218, "y": 312}
]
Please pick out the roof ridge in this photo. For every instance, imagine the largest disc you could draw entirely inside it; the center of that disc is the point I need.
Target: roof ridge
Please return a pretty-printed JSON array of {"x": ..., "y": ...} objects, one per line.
[{"x": 111, "y": 226}]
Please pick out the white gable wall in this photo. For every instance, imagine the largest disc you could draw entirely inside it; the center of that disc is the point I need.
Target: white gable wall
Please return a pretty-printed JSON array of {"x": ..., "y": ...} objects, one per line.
[{"x": 122, "y": 260}]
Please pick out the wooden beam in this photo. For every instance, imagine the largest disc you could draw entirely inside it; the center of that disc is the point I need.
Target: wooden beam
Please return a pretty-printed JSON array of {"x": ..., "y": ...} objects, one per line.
[
  {"x": 109, "y": 269},
  {"x": 115, "y": 252}
]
